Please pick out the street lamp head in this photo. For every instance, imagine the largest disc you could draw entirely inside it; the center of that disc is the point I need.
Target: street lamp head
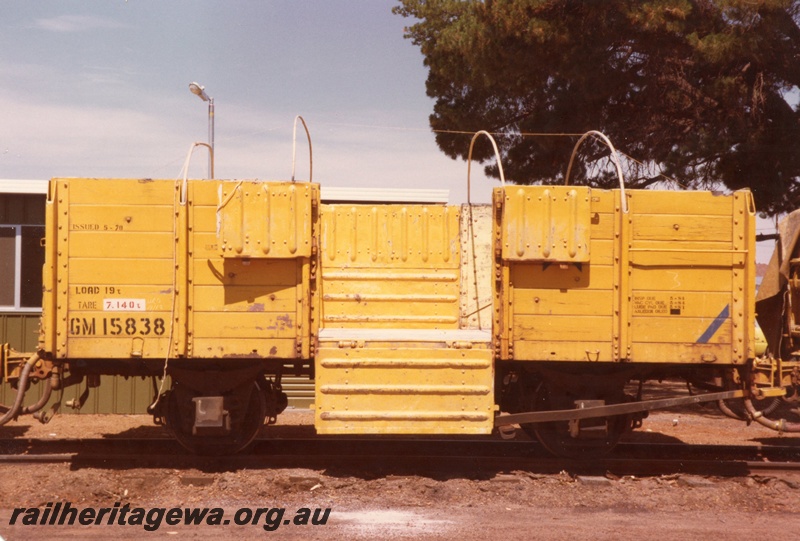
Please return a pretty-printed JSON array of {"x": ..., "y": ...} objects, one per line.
[{"x": 198, "y": 90}]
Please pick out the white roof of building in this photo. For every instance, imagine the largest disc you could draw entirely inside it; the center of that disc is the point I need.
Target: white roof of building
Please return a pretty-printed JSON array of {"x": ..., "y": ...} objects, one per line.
[
  {"x": 333, "y": 194},
  {"x": 31, "y": 186},
  {"x": 330, "y": 194}
]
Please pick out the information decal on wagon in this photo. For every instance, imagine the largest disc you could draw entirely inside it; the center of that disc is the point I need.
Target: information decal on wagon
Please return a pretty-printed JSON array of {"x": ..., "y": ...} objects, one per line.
[{"x": 124, "y": 305}]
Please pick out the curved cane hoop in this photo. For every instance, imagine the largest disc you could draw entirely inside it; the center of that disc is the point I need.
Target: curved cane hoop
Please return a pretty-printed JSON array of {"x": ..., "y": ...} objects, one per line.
[
  {"x": 469, "y": 160},
  {"x": 614, "y": 157},
  {"x": 294, "y": 147},
  {"x": 185, "y": 171}
]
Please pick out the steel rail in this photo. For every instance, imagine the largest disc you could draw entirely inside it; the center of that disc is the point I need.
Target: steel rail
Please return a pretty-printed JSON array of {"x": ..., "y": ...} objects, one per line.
[
  {"x": 420, "y": 464},
  {"x": 338, "y": 446}
]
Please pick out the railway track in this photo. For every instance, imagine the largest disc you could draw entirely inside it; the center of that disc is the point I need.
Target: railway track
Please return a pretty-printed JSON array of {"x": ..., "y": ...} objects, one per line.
[{"x": 410, "y": 456}]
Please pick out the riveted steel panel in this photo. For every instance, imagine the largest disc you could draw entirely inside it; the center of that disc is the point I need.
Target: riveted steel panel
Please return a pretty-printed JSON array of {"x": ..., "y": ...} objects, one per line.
[
  {"x": 668, "y": 281},
  {"x": 135, "y": 269},
  {"x": 477, "y": 267},
  {"x": 404, "y": 236},
  {"x": 390, "y": 266},
  {"x": 546, "y": 223},
  {"x": 691, "y": 271},
  {"x": 265, "y": 219},
  {"x": 365, "y": 387},
  {"x": 255, "y": 303}
]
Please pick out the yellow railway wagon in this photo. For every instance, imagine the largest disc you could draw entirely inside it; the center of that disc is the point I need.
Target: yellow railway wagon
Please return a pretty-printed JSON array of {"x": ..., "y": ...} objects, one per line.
[
  {"x": 541, "y": 308},
  {"x": 215, "y": 277},
  {"x": 595, "y": 288},
  {"x": 668, "y": 280},
  {"x": 137, "y": 268}
]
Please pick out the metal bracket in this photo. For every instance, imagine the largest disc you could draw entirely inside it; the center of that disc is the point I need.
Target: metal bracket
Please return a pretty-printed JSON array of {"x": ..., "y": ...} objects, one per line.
[{"x": 618, "y": 409}]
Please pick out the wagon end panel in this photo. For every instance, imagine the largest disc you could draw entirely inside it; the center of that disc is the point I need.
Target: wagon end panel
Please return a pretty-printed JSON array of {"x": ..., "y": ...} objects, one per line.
[
  {"x": 116, "y": 251},
  {"x": 691, "y": 277},
  {"x": 555, "y": 273},
  {"x": 142, "y": 271},
  {"x": 253, "y": 267},
  {"x": 669, "y": 280},
  {"x": 49, "y": 328}
]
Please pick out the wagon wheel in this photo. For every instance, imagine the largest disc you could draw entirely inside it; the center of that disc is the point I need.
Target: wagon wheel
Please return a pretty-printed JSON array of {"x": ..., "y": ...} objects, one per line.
[
  {"x": 245, "y": 423},
  {"x": 555, "y": 436}
]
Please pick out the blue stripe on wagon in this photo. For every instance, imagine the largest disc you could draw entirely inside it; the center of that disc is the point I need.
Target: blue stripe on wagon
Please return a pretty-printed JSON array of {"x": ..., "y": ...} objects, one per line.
[{"x": 715, "y": 325}]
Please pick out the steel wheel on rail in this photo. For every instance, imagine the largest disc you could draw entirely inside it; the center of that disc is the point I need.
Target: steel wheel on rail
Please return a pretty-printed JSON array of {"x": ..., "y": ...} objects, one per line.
[
  {"x": 247, "y": 418},
  {"x": 589, "y": 438}
]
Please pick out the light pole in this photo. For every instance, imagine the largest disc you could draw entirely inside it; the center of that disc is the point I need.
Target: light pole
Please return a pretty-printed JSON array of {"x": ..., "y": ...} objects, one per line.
[{"x": 199, "y": 90}]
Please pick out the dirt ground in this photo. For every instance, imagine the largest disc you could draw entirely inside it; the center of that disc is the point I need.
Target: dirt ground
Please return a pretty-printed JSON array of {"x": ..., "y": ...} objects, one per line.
[{"x": 366, "y": 505}]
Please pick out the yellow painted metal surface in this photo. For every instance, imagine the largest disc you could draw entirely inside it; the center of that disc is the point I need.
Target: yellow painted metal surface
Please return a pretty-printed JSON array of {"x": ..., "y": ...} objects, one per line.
[
  {"x": 394, "y": 302},
  {"x": 390, "y": 266},
  {"x": 259, "y": 306},
  {"x": 393, "y": 358},
  {"x": 266, "y": 220},
  {"x": 548, "y": 224},
  {"x": 671, "y": 280},
  {"x": 386, "y": 385},
  {"x": 135, "y": 268}
]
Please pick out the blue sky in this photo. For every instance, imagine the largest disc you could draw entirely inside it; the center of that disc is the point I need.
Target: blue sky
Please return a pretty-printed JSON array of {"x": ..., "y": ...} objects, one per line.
[{"x": 100, "y": 88}]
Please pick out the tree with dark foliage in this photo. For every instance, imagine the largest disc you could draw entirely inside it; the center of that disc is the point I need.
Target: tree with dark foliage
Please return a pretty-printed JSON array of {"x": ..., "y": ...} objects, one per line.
[{"x": 702, "y": 91}]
